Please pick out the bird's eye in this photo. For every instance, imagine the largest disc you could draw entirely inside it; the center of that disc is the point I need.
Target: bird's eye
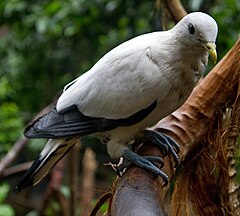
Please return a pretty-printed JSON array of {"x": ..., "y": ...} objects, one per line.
[{"x": 191, "y": 28}]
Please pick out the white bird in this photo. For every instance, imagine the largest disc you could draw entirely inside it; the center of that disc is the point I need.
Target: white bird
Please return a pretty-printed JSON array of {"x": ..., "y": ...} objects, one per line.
[{"x": 127, "y": 91}]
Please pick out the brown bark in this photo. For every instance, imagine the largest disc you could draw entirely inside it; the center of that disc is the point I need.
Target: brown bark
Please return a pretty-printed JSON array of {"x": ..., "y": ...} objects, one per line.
[
  {"x": 176, "y": 9},
  {"x": 187, "y": 126},
  {"x": 200, "y": 126},
  {"x": 10, "y": 157},
  {"x": 138, "y": 192},
  {"x": 88, "y": 186},
  {"x": 15, "y": 169},
  {"x": 233, "y": 135},
  {"x": 73, "y": 178}
]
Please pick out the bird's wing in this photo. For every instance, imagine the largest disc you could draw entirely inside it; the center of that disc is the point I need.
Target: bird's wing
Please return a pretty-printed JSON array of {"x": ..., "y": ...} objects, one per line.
[
  {"x": 120, "y": 90},
  {"x": 71, "y": 122},
  {"x": 126, "y": 80}
]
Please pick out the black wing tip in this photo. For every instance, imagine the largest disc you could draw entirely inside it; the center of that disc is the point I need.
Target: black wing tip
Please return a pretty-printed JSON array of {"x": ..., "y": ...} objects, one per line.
[
  {"x": 22, "y": 185},
  {"x": 18, "y": 189},
  {"x": 34, "y": 128},
  {"x": 29, "y": 131},
  {"x": 32, "y": 131}
]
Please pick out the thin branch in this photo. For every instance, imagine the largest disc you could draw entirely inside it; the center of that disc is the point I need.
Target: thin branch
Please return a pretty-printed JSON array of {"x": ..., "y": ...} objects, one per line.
[
  {"x": 176, "y": 9},
  {"x": 15, "y": 169},
  {"x": 17, "y": 200},
  {"x": 73, "y": 178},
  {"x": 89, "y": 169},
  {"x": 10, "y": 157}
]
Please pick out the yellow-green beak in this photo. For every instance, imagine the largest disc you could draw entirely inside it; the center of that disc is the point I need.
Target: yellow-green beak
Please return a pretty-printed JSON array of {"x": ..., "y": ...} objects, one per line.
[{"x": 211, "y": 48}]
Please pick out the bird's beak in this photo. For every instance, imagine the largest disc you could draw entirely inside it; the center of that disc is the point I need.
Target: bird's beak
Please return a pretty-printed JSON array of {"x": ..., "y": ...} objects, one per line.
[{"x": 211, "y": 48}]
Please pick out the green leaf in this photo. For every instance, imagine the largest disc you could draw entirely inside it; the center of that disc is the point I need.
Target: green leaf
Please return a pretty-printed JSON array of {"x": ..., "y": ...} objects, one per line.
[
  {"x": 6, "y": 210},
  {"x": 4, "y": 189}
]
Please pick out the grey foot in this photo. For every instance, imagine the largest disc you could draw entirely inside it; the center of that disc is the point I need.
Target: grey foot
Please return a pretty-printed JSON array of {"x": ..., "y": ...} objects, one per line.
[
  {"x": 165, "y": 143},
  {"x": 145, "y": 162}
]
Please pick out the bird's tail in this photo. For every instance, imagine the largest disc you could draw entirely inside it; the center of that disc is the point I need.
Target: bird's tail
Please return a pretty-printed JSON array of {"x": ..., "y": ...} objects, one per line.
[{"x": 54, "y": 150}]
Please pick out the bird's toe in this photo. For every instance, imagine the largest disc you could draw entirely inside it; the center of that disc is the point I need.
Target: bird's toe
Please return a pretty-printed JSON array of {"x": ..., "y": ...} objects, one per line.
[
  {"x": 149, "y": 163},
  {"x": 165, "y": 143}
]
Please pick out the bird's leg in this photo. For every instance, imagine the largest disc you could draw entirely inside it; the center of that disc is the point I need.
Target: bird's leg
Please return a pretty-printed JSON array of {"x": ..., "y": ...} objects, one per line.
[
  {"x": 145, "y": 162},
  {"x": 165, "y": 143}
]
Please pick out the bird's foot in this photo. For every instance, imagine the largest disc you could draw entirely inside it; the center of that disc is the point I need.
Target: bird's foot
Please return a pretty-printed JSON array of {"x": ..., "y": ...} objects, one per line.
[
  {"x": 145, "y": 162},
  {"x": 150, "y": 163},
  {"x": 165, "y": 143}
]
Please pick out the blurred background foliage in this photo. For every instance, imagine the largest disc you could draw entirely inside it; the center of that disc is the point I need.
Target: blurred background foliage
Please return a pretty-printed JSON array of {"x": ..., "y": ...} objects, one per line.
[{"x": 45, "y": 44}]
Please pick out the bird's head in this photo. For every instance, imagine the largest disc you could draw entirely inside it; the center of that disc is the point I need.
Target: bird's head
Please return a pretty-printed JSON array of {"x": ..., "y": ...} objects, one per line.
[{"x": 198, "y": 30}]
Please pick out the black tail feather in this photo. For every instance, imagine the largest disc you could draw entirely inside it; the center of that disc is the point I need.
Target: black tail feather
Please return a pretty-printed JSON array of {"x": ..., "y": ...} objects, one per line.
[{"x": 43, "y": 164}]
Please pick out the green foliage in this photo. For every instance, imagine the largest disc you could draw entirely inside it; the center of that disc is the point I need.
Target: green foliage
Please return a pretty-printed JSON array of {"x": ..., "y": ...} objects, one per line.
[
  {"x": 10, "y": 131},
  {"x": 3, "y": 192},
  {"x": 228, "y": 17},
  {"x": 53, "y": 208},
  {"x": 31, "y": 213},
  {"x": 48, "y": 43},
  {"x": 10, "y": 116},
  {"x": 104, "y": 207},
  {"x": 5, "y": 209}
]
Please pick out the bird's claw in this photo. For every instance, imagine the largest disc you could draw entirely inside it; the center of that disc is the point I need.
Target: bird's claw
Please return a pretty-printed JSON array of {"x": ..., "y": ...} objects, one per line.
[
  {"x": 127, "y": 163},
  {"x": 115, "y": 167},
  {"x": 165, "y": 143},
  {"x": 145, "y": 162}
]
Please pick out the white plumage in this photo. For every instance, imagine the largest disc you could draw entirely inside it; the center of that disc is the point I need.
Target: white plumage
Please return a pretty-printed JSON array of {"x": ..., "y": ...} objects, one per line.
[{"x": 160, "y": 66}]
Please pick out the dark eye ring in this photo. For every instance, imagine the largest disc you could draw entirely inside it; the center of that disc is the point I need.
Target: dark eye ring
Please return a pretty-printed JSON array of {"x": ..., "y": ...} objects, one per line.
[{"x": 191, "y": 28}]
